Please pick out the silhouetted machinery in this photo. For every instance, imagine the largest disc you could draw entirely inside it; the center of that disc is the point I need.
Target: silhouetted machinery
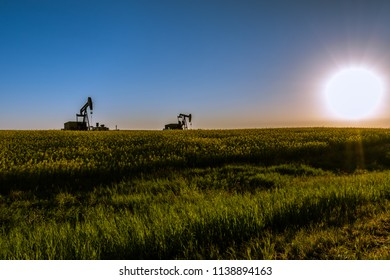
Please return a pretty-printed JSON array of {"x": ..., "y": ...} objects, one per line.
[
  {"x": 102, "y": 127},
  {"x": 82, "y": 120},
  {"x": 182, "y": 122}
]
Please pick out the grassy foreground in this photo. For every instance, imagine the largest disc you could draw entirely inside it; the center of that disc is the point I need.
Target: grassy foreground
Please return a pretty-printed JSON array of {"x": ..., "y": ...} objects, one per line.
[{"x": 303, "y": 193}]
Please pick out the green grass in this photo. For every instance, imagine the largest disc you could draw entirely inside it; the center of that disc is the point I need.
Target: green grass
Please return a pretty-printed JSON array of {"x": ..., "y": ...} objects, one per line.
[{"x": 313, "y": 193}]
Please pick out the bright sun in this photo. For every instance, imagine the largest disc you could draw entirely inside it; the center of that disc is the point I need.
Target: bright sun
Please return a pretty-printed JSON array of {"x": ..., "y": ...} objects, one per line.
[{"x": 354, "y": 93}]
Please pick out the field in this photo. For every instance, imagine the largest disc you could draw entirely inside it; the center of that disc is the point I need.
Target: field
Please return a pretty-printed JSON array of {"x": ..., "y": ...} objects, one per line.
[{"x": 296, "y": 193}]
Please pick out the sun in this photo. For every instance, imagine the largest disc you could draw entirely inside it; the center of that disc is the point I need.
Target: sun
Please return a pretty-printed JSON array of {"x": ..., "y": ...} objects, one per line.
[{"x": 354, "y": 93}]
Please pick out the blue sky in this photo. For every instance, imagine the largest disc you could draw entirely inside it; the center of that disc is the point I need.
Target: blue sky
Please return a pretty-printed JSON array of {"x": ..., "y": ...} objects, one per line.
[{"x": 232, "y": 64}]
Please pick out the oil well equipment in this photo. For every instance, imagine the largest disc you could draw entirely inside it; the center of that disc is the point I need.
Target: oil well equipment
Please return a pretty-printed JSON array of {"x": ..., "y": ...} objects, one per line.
[
  {"x": 82, "y": 119},
  {"x": 183, "y": 122}
]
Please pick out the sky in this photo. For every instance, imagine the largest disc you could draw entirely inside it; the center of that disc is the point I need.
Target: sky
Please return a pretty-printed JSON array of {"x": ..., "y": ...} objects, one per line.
[{"x": 231, "y": 64}]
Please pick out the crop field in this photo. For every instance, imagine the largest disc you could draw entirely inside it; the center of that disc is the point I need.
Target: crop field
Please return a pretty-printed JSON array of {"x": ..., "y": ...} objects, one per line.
[{"x": 291, "y": 193}]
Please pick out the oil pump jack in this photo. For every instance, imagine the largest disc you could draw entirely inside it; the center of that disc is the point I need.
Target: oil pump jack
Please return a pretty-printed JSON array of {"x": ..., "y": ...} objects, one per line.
[
  {"x": 182, "y": 122},
  {"x": 82, "y": 120}
]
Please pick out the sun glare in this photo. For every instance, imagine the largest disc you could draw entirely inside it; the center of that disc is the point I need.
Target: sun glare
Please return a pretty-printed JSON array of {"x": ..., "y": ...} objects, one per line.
[{"x": 354, "y": 93}]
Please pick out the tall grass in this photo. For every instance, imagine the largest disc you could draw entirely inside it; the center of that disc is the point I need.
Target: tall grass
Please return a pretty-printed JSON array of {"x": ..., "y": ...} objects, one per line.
[{"x": 137, "y": 223}]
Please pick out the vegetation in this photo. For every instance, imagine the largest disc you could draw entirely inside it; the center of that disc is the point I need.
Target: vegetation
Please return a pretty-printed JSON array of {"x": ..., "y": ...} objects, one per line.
[{"x": 303, "y": 193}]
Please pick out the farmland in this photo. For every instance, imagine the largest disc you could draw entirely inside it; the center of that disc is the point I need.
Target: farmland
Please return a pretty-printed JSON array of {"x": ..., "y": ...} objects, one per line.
[{"x": 296, "y": 193}]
